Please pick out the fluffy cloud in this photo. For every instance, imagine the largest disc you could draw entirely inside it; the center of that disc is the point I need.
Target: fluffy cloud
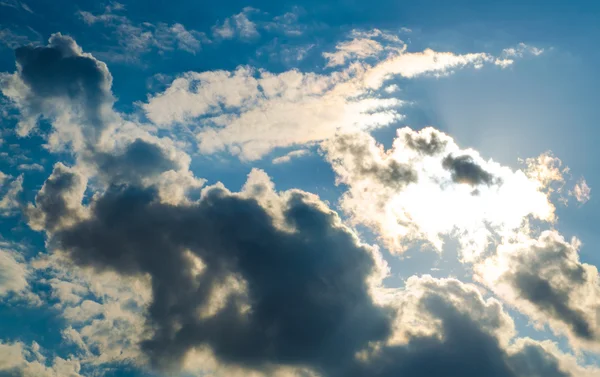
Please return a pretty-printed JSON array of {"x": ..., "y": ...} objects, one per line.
[
  {"x": 72, "y": 89},
  {"x": 545, "y": 279},
  {"x": 9, "y": 194},
  {"x": 65, "y": 85},
  {"x": 249, "y": 112},
  {"x": 14, "y": 273},
  {"x": 445, "y": 327},
  {"x": 426, "y": 187},
  {"x": 104, "y": 312},
  {"x": 18, "y": 359},
  {"x": 263, "y": 281},
  {"x": 286, "y": 251}
]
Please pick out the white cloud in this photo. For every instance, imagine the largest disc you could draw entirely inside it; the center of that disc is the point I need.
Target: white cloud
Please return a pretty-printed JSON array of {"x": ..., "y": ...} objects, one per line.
[
  {"x": 364, "y": 45},
  {"x": 249, "y": 112},
  {"x": 427, "y": 187},
  {"x": 30, "y": 167},
  {"x": 19, "y": 359},
  {"x": 581, "y": 191},
  {"x": 104, "y": 312},
  {"x": 521, "y": 50},
  {"x": 288, "y": 157},
  {"x": 14, "y": 273},
  {"x": 9, "y": 199}
]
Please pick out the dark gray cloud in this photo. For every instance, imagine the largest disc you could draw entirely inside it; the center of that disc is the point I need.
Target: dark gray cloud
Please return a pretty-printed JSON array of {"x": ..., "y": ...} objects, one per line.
[
  {"x": 140, "y": 159},
  {"x": 464, "y": 345},
  {"x": 465, "y": 170},
  {"x": 59, "y": 201},
  {"x": 61, "y": 71},
  {"x": 359, "y": 151},
  {"x": 307, "y": 289},
  {"x": 428, "y": 144},
  {"x": 554, "y": 301},
  {"x": 306, "y": 300},
  {"x": 534, "y": 361},
  {"x": 547, "y": 276}
]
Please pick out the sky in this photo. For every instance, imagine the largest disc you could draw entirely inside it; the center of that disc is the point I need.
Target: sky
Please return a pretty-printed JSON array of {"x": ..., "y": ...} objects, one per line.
[{"x": 309, "y": 189}]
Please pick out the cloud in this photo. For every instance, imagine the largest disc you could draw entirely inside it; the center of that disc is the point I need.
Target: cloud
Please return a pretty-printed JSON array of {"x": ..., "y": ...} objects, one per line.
[
  {"x": 249, "y": 112},
  {"x": 581, "y": 191},
  {"x": 135, "y": 40},
  {"x": 364, "y": 45},
  {"x": 31, "y": 167},
  {"x": 288, "y": 23},
  {"x": 316, "y": 265},
  {"x": 16, "y": 5},
  {"x": 237, "y": 26},
  {"x": 426, "y": 187},
  {"x": 520, "y": 50},
  {"x": 103, "y": 312},
  {"x": 14, "y": 273},
  {"x": 545, "y": 279},
  {"x": 445, "y": 327},
  {"x": 12, "y": 39},
  {"x": 465, "y": 170},
  {"x": 58, "y": 203},
  {"x": 288, "y": 157},
  {"x": 18, "y": 359},
  {"x": 9, "y": 195},
  {"x": 72, "y": 89},
  {"x": 64, "y": 84},
  {"x": 262, "y": 281}
]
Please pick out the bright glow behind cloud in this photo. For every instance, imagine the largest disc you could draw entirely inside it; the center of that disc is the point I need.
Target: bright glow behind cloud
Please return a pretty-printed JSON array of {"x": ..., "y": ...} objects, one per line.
[{"x": 436, "y": 204}]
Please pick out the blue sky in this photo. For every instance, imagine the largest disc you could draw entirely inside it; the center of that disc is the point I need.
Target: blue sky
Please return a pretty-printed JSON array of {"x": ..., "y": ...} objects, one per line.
[{"x": 346, "y": 188}]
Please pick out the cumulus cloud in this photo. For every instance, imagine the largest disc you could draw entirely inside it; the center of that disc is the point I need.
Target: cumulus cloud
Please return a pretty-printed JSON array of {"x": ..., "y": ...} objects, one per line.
[
  {"x": 19, "y": 359},
  {"x": 545, "y": 279},
  {"x": 104, "y": 312},
  {"x": 62, "y": 83},
  {"x": 445, "y": 327},
  {"x": 427, "y": 187},
  {"x": 58, "y": 203},
  {"x": 262, "y": 281},
  {"x": 14, "y": 273},
  {"x": 9, "y": 194},
  {"x": 72, "y": 89},
  {"x": 316, "y": 266}
]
